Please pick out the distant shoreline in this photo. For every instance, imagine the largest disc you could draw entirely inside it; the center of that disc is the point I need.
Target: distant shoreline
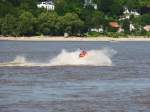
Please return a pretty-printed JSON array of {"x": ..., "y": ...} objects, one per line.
[{"x": 61, "y": 38}]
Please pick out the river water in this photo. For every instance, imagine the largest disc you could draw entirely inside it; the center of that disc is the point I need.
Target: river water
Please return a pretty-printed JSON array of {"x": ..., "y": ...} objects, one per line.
[{"x": 123, "y": 86}]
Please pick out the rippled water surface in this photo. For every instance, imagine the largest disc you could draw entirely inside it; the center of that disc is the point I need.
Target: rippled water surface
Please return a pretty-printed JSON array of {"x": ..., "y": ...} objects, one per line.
[{"x": 122, "y": 87}]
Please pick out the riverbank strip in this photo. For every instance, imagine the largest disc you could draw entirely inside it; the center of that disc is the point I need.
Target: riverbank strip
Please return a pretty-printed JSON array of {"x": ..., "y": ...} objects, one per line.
[{"x": 61, "y": 38}]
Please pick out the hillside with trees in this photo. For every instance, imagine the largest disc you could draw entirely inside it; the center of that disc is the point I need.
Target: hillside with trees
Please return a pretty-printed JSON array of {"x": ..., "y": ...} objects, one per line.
[{"x": 24, "y": 18}]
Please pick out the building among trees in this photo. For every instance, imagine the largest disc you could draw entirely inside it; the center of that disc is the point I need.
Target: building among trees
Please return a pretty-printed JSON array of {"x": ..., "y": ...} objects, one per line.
[
  {"x": 127, "y": 14},
  {"x": 147, "y": 28},
  {"x": 90, "y": 3},
  {"x": 49, "y": 5}
]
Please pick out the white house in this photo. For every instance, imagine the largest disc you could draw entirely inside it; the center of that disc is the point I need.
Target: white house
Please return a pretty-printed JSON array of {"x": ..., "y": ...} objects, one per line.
[
  {"x": 100, "y": 30},
  {"x": 131, "y": 27},
  {"x": 127, "y": 14},
  {"x": 126, "y": 11},
  {"x": 120, "y": 30},
  {"x": 49, "y": 5},
  {"x": 147, "y": 28},
  {"x": 90, "y": 3},
  {"x": 135, "y": 13}
]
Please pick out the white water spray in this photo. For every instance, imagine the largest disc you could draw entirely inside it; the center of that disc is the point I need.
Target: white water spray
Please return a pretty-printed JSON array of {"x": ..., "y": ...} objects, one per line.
[
  {"x": 19, "y": 59},
  {"x": 65, "y": 58},
  {"x": 93, "y": 58}
]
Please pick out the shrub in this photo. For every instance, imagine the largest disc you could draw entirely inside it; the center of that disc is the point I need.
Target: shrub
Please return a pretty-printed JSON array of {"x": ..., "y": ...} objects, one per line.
[
  {"x": 9, "y": 26},
  {"x": 94, "y": 34}
]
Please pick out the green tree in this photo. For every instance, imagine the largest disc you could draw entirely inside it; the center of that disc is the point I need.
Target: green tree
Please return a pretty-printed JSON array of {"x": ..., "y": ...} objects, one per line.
[
  {"x": 132, "y": 4},
  {"x": 71, "y": 23},
  {"x": 144, "y": 3},
  {"x": 117, "y": 7},
  {"x": 14, "y": 2},
  {"x": 7, "y": 8},
  {"x": 0, "y": 25},
  {"x": 26, "y": 24},
  {"x": 126, "y": 26},
  {"x": 97, "y": 19},
  {"x": 145, "y": 19},
  {"x": 87, "y": 15},
  {"x": 92, "y": 18},
  {"x": 47, "y": 23},
  {"x": 9, "y": 25},
  {"x": 111, "y": 7},
  {"x": 29, "y": 5},
  {"x": 65, "y": 6}
]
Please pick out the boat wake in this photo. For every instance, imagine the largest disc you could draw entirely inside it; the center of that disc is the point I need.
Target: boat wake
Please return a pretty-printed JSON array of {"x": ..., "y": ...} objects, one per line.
[{"x": 65, "y": 58}]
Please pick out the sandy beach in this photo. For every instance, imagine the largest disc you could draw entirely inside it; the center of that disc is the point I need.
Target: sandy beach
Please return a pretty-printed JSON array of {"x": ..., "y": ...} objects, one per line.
[{"x": 61, "y": 38}]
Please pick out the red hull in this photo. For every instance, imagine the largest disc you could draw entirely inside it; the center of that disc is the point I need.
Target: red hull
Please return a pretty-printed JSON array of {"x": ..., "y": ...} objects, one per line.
[{"x": 82, "y": 54}]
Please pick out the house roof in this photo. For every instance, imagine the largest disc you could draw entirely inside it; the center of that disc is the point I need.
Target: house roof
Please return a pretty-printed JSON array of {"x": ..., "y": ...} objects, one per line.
[{"x": 114, "y": 24}]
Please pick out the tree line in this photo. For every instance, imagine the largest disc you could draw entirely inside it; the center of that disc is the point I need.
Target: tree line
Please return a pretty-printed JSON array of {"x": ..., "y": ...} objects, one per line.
[{"x": 23, "y": 18}]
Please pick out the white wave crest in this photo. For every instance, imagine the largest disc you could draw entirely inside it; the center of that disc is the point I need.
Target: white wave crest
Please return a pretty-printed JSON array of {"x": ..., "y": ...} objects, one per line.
[{"x": 19, "y": 59}]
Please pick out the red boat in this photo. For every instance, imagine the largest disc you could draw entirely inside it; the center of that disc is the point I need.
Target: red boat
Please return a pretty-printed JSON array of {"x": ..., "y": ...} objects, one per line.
[{"x": 82, "y": 54}]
